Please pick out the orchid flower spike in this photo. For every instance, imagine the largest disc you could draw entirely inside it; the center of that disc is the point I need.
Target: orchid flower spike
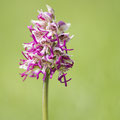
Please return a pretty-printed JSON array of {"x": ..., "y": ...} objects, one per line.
[{"x": 47, "y": 50}]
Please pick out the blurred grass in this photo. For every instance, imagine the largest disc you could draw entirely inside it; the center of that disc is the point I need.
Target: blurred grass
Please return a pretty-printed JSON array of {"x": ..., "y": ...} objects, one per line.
[{"x": 93, "y": 93}]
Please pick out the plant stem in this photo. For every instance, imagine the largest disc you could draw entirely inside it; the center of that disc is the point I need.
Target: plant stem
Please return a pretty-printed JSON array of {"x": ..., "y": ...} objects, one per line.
[{"x": 45, "y": 98}]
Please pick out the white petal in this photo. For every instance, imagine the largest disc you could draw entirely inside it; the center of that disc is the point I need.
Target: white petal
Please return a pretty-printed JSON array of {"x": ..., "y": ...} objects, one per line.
[
  {"x": 50, "y": 10},
  {"x": 71, "y": 36},
  {"x": 23, "y": 66}
]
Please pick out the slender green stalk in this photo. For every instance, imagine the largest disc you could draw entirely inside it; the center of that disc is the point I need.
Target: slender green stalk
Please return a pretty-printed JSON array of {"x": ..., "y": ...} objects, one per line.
[{"x": 45, "y": 98}]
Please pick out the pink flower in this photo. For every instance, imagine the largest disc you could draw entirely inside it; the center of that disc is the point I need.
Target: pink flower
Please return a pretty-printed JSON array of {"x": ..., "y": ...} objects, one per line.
[{"x": 48, "y": 50}]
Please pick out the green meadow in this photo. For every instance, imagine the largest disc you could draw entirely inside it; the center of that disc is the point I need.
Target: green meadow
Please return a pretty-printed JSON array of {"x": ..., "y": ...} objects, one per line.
[{"x": 94, "y": 91}]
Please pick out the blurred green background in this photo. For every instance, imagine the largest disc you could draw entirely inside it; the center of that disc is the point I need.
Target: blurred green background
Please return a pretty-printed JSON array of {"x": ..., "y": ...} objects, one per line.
[{"x": 94, "y": 92}]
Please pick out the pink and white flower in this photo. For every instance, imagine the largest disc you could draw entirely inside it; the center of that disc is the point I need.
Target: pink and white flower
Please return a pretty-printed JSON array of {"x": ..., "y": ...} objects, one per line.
[{"x": 48, "y": 50}]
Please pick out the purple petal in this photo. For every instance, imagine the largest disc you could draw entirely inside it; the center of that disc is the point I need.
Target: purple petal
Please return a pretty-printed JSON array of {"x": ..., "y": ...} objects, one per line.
[{"x": 34, "y": 39}]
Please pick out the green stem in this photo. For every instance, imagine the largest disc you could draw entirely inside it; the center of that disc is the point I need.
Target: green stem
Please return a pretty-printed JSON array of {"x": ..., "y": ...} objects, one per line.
[{"x": 45, "y": 98}]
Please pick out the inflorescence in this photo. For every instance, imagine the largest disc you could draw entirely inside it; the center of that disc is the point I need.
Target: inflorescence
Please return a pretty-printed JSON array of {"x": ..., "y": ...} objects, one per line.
[{"x": 48, "y": 50}]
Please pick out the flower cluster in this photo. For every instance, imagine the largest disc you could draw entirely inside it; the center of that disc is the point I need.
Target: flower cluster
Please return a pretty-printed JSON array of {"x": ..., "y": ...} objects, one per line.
[{"x": 48, "y": 50}]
